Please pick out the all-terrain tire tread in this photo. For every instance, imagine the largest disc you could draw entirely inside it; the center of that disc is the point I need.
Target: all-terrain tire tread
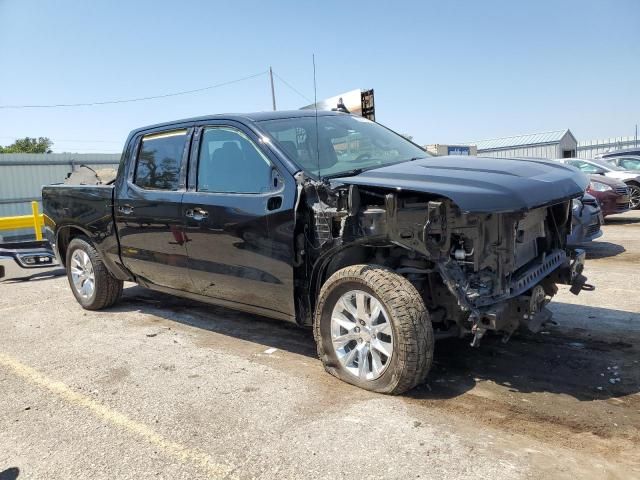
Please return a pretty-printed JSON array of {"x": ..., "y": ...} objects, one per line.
[{"x": 414, "y": 340}]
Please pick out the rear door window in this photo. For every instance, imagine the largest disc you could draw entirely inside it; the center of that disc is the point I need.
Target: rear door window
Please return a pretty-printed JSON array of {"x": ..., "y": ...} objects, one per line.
[{"x": 159, "y": 160}]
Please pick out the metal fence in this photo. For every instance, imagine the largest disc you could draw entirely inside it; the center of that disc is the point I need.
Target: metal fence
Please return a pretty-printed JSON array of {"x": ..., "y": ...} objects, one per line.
[
  {"x": 22, "y": 176},
  {"x": 592, "y": 148}
]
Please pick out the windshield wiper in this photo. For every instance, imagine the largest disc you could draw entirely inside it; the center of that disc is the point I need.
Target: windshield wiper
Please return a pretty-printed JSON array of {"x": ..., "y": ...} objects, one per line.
[{"x": 346, "y": 173}]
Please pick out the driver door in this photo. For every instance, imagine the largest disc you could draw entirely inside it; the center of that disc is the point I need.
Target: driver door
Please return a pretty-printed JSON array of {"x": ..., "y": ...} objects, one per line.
[{"x": 234, "y": 204}]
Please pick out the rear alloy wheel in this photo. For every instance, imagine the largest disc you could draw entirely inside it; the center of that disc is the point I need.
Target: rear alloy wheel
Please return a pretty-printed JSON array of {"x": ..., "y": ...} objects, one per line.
[
  {"x": 372, "y": 329},
  {"x": 91, "y": 283},
  {"x": 634, "y": 196},
  {"x": 82, "y": 274}
]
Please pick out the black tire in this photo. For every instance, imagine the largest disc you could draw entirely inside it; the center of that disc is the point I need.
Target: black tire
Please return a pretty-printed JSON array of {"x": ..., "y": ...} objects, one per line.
[
  {"x": 412, "y": 330},
  {"x": 107, "y": 290},
  {"x": 634, "y": 195}
]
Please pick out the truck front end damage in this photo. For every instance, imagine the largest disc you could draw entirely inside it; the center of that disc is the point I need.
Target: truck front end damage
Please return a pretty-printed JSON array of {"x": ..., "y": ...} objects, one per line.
[{"x": 476, "y": 271}]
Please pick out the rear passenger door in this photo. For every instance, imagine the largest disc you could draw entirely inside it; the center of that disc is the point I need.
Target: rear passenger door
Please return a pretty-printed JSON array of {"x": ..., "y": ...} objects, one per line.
[
  {"x": 148, "y": 209},
  {"x": 234, "y": 188}
]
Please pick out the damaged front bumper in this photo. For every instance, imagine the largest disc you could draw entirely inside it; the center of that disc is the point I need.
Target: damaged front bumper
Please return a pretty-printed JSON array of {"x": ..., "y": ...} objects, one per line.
[
  {"x": 577, "y": 280},
  {"x": 529, "y": 292}
]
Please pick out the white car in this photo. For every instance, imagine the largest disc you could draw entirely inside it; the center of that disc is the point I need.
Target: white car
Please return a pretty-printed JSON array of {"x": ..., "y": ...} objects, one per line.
[{"x": 600, "y": 167}]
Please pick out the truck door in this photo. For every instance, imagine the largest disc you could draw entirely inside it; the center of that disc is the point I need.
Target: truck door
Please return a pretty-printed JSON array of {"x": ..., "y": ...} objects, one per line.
[
  {"x": 148, "y": 209},
  {"x": 236, "y": 215}
]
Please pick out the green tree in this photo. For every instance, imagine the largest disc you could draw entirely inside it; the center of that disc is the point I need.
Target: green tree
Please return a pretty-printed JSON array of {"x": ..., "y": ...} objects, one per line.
[{"x": 29, "y": 145}]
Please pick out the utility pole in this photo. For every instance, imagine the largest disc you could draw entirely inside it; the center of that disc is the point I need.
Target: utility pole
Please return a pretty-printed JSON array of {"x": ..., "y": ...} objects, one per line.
[{"x": 273, "y": 91}]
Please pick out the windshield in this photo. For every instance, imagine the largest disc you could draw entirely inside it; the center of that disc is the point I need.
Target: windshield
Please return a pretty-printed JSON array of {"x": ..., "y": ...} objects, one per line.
[{"x": 345, "y": 145}]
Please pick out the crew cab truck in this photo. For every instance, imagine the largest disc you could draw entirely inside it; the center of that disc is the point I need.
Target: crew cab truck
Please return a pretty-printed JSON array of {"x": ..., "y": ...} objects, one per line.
[{"x": 330, "y": 221}]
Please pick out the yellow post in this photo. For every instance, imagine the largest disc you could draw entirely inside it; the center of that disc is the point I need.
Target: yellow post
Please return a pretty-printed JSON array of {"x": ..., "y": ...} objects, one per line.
[{"x": 36, "y": 220}]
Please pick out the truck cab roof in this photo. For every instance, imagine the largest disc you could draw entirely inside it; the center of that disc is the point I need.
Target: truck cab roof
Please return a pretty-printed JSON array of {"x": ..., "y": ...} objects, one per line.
[{"x": 240, "y": 117}]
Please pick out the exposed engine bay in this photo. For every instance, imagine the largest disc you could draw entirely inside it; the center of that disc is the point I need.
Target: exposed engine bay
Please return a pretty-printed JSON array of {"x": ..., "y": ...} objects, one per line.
[{"x": 476, "y": 272}]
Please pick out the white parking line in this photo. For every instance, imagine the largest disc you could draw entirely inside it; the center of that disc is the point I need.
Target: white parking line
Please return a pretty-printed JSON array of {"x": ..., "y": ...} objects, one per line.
[{"x": 117, "y": 419}]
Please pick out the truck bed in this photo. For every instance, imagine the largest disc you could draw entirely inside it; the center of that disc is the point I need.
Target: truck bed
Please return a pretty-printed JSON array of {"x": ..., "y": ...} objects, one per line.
[{"x": 85, "y": 207}]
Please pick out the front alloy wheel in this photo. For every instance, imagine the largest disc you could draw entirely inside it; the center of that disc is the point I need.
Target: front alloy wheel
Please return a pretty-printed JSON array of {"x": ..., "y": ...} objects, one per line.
[
  {"x": 372, "y": 329},
  {"x": 361, "y": 335}
]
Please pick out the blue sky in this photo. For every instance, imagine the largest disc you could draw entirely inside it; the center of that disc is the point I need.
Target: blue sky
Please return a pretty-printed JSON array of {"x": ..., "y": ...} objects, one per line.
[{"x": 443, "y": 71}]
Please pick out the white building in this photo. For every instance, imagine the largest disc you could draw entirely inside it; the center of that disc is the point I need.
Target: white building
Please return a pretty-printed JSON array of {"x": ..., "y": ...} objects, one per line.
[{"x": 555, "y": 144}]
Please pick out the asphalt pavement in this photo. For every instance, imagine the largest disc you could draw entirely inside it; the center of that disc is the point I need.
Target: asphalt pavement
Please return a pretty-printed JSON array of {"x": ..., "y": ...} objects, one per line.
[{"x": 161, "y": 387}]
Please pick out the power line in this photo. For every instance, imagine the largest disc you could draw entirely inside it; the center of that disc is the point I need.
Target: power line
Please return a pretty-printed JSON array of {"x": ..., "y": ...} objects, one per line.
[
  {"x": 139, "y": 99},
  {"x": 292, "y": 88}
]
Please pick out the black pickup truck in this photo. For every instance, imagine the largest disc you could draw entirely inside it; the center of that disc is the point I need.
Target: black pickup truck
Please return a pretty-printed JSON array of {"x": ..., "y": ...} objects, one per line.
[{"x": 330, "y": 221}]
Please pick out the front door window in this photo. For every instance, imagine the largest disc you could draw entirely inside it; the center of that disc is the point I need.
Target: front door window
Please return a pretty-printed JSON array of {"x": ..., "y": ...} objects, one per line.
[{"x": 231, "y": 163}]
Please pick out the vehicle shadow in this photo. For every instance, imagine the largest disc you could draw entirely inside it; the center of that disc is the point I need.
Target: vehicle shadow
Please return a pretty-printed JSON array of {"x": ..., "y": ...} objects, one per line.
[
  {"x": 39, "y": 275},
  {"x": 10, "y": 473},
  {"x": 601, "y": 249},
  {"x": 623, "y": 219},
  {"x": 244, "y": 326},
  {"x": 569, "y": 359},
  {"x": 564, "y": 360}
]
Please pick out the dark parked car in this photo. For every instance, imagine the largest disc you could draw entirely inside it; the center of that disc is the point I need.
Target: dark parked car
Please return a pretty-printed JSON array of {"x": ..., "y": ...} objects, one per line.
[
  {"x": 633, "y": 151},
  {"x": 330, "y": 221},
  {"x": 612, "y": 194},
  {"x": 587, "y": 220}
]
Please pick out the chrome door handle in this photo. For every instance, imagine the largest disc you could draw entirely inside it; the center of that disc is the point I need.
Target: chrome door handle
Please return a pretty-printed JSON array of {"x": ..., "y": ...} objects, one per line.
[
  {"x": 125, "y": 209},
  {"x": 197, "y": 214}
]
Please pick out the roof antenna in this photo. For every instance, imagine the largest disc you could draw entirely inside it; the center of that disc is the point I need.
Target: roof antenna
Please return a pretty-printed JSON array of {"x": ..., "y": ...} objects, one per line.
[
  {"x": 273, "y": 91},
  {"x": 321, "y": 204},
  {"x": 315, "y": 105}
]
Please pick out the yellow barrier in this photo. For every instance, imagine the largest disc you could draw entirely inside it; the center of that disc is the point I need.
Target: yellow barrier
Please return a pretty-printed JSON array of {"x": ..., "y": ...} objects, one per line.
[{"x": 34, "y": 221}]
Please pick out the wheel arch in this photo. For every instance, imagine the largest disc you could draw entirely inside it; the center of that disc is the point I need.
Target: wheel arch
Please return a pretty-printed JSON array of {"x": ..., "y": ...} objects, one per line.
[
  {"x": 64, "y": 236},
  {"x": 333, "y": 260}
]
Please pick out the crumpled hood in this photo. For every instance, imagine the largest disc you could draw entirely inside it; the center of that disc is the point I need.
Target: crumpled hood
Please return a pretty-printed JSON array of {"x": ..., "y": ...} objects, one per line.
[{"x": 481, "y": 184}]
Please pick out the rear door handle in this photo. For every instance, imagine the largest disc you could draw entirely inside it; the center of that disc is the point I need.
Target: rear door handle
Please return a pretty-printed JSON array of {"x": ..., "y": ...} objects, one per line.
[
  {"x": 196, "y": 214},
  {"x": 125, "y": 209}
]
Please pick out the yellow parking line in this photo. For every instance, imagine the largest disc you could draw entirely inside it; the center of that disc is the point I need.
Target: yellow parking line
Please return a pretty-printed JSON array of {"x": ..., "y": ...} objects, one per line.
[{"x": 117, "y": 419}]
